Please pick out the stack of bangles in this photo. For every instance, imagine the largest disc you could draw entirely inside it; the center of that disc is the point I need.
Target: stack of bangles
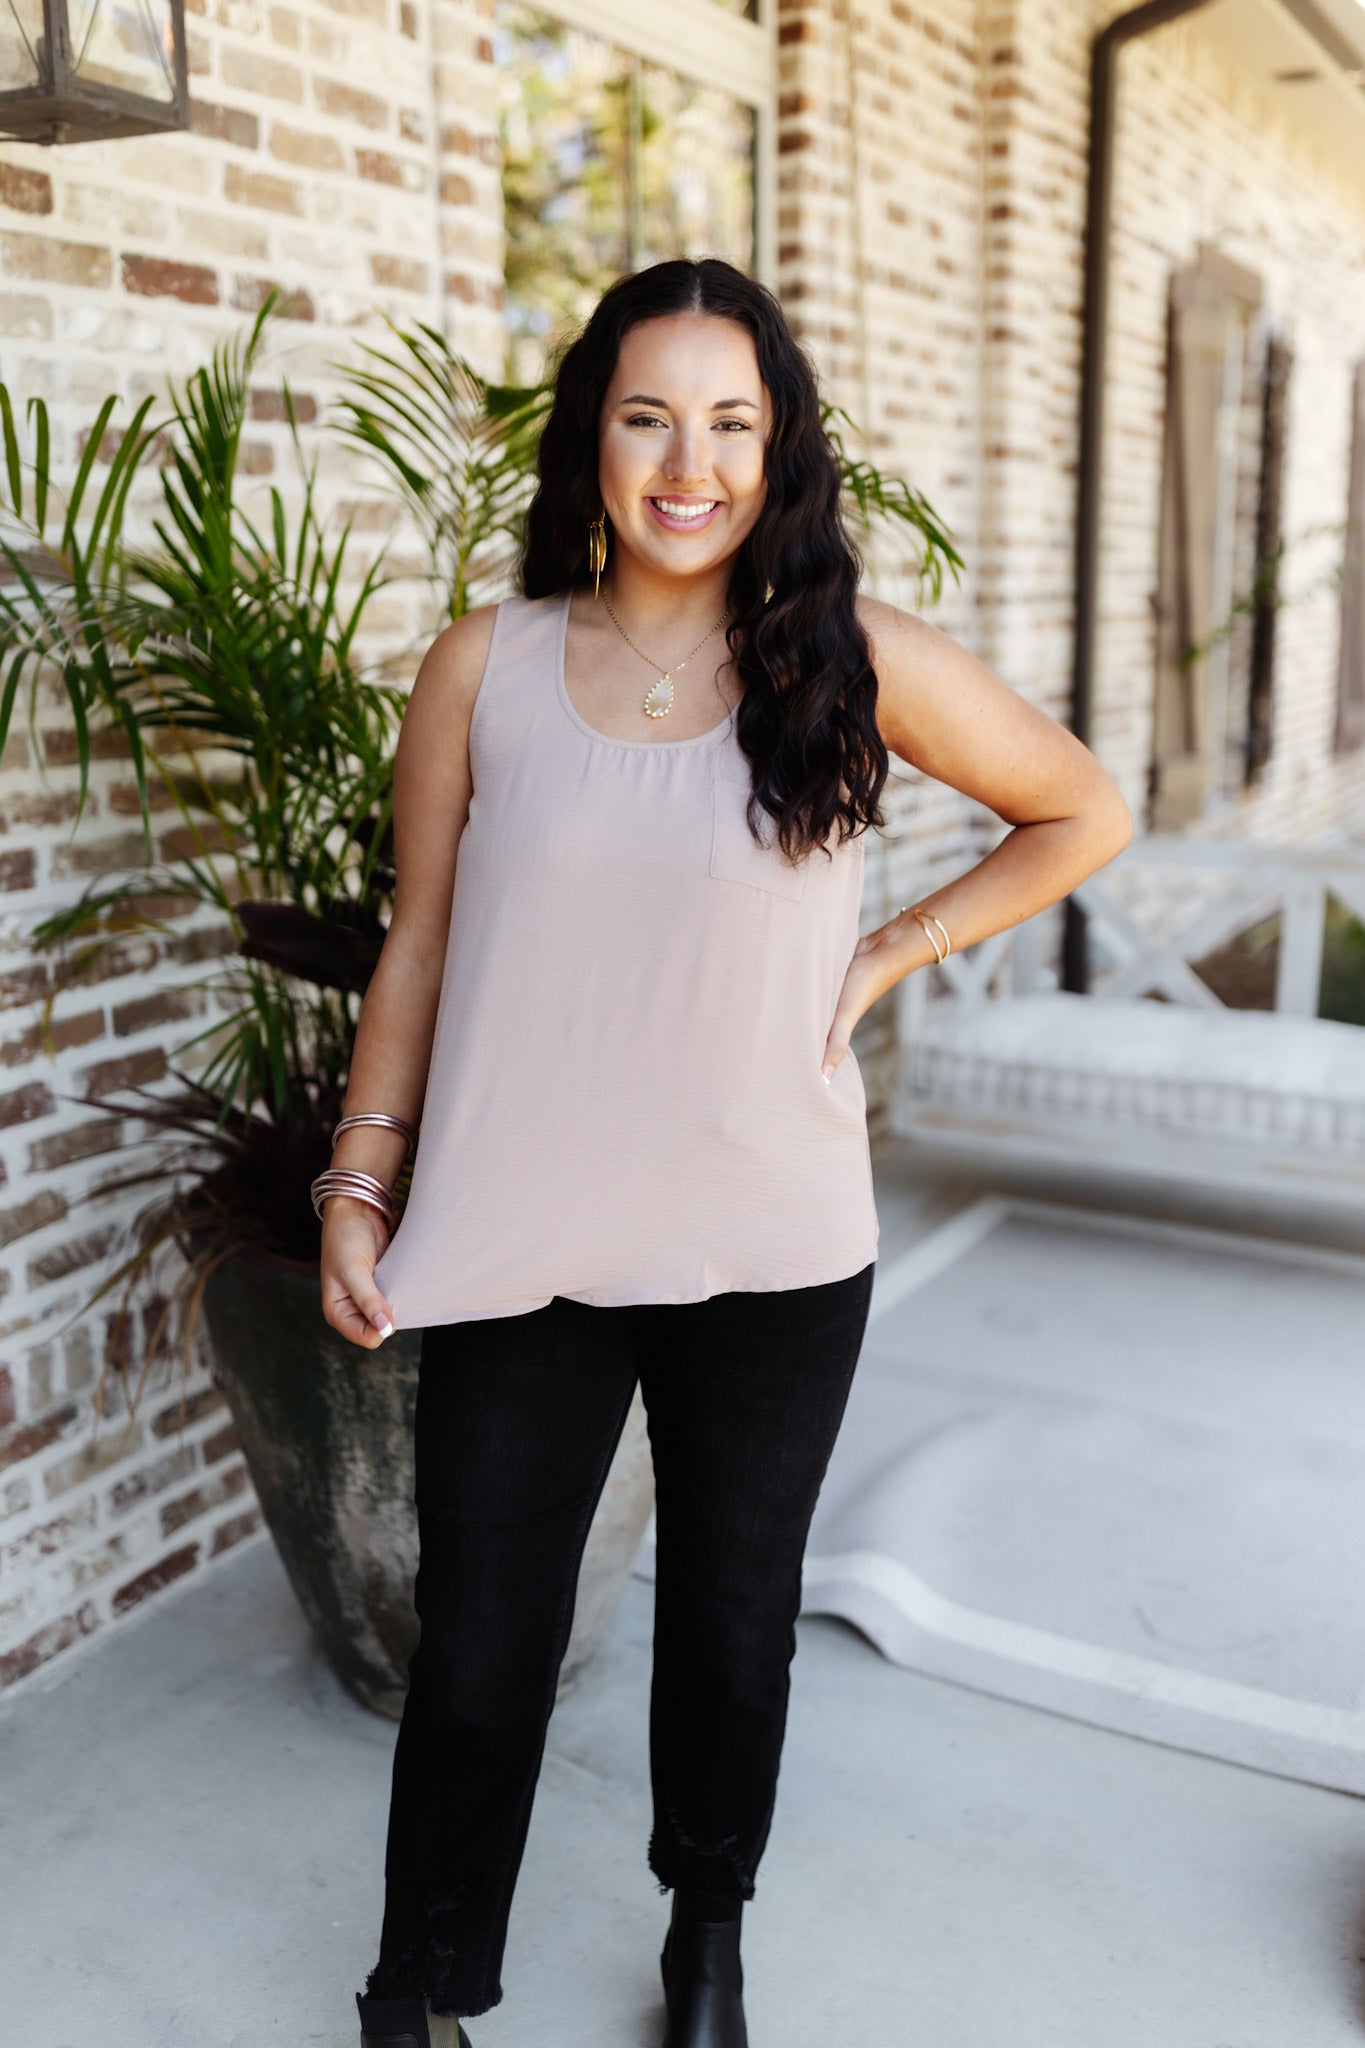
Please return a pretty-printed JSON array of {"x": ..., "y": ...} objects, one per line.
[
  {"x": 938, "y": 939},
  {"x": 362, "y": 1187}
]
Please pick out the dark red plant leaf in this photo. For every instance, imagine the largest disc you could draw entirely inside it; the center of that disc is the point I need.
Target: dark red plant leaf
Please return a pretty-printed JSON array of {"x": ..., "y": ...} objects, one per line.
[{"x": 311, "y": 948}]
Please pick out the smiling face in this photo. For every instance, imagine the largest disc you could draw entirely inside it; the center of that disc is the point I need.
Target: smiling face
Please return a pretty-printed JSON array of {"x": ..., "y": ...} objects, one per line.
[{"x": 680, "y": 454}]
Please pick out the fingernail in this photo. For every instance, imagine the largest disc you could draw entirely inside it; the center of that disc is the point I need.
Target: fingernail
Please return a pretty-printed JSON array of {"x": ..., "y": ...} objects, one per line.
[
  {"x": 826, "y": 1073},
  {"x": 385, "y": 1328}
]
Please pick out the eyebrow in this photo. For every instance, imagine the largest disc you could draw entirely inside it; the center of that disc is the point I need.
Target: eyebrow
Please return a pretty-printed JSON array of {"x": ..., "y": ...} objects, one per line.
[{"x": 721, "y": 404}]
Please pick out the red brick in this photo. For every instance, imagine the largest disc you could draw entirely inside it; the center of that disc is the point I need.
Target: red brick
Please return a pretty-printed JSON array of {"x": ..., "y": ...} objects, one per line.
[
  {"x": 157, "y": 1576},
  {"x": 72, "y": 1257},
  {"x": 259, "y": 188},
  {"x": 225, "y": 124},
  {"x": 134, "y": 1070},
  {"x": 457, "y": 140},
  {"x": 23, "y": 985},
  {"x": 407, "y": 20},
  {"x": 205, "y": 944},
  {"x": 119, "y": 957},
  {"x": 399, "y": 273},
  {"x": 124, "y": 799},
  {"x": 348, "y": 103},
  {"x": 23, "y": 1105},
  {"x": 220, "y": 1443},
  {"x": 380, "y": 168},
  {"x": 47, "y": 1643},
  {"x": 269, "y": 405},
  {"x": 297, "y": 146},
  {"x": 18, "y": 870},
  {"x": 85, "y": 1141},
  {"x": 31, "y": 1437},
  {"x": 26, "y": 191},
  {"x": 167, "y": 1006},
  {"x": 98, "y": 857},
  {"x": 28, "y": 809},
  {"x": 205, "y": 1402},
  {"x": 187, "y": 1507},
  {"x": 7, "y": 1397},
  {"x": 38, "y": 1042},
  {"x": 158, "y": 277},
  {"x": 189, "y": 842},
  {"x": 40, "y": 1209},
  {"x": 249, "y": 294},
  {"x": 456, "y": 189},
  {"x": 234, "y": 1530},
  {"x": 107, "y": 743}
]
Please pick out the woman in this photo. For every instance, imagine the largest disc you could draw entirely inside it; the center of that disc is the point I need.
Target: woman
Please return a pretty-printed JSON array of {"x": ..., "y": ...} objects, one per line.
[{"x": 624, "y": 1021}]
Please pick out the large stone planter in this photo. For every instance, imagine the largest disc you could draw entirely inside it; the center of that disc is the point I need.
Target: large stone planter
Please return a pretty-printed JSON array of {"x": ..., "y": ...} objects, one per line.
[{"x": 326, "y": 1431}]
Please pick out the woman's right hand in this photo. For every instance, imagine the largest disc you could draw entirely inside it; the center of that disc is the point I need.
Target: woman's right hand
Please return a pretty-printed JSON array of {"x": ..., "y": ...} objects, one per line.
[{"x": 353, "y": 1236}]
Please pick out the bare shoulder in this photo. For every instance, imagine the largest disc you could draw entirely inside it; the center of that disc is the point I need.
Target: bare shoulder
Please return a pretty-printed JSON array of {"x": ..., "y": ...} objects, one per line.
[
  {"x": 431, "y": 766},
  {"x": 901, "y": 642},
  {"x": 945, "y": 712},
  {"x": 452, "y": 668},
  {"x": 924, "y": 678}
]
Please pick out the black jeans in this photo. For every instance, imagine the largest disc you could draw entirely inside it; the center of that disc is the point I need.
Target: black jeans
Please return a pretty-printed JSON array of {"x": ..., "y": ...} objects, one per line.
[{"x": 517, "y": 1421}]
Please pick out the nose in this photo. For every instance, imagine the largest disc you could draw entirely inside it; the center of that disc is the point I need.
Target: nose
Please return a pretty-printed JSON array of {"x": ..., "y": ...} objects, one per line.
[{"x": 683, "y": 463}]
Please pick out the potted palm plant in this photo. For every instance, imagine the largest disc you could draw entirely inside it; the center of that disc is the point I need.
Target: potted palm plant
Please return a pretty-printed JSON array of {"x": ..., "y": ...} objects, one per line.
[{"x": 227, "y": 648}]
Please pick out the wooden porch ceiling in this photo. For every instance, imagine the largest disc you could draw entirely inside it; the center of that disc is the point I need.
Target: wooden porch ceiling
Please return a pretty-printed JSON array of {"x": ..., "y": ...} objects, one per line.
[{"x": 1310, "y": 57}]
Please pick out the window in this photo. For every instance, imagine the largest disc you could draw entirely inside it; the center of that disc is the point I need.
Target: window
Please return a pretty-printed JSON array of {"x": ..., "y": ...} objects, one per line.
[
  {"x": 1220, "y": 540},
  {"x": 628, "y": 134}
]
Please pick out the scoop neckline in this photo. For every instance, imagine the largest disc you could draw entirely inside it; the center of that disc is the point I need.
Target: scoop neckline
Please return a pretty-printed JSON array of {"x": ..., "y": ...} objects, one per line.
[{"x": 713, "y": 735}]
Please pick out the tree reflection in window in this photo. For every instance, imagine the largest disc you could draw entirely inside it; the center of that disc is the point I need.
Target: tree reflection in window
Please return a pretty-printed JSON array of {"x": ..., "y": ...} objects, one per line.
[{"x": 609, "y": 163}]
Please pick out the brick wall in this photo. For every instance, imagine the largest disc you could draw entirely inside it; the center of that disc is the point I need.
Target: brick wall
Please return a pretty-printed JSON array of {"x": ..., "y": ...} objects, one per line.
[
  {"x": 347, "y": 154},
  {"x": 931, "y": 256},
  {"x": 930, "y": 199}
]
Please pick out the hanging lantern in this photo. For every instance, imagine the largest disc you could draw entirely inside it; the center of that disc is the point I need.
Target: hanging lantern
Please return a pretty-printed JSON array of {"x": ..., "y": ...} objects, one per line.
[{"x": 87, "y": 70}]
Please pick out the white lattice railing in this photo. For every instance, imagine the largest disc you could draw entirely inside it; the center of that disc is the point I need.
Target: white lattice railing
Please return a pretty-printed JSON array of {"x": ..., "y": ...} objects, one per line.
[{"x": 1164, "y": 903}]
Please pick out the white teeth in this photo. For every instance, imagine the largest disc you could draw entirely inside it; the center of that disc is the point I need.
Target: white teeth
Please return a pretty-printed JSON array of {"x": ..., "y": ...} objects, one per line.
[{"x": 693, "y": 511}]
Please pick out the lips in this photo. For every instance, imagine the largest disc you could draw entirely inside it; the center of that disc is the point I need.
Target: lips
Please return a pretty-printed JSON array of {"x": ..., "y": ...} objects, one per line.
[{"x": 683, "y": 514}]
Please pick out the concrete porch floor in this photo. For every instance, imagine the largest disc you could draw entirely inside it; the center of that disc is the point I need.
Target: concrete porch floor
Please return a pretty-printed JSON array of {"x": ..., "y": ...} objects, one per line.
[{"x": 192, "y": 1824}]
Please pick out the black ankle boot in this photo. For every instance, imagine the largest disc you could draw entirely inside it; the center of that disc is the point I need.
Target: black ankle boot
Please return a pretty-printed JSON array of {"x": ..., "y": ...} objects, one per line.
[
  {"x": 703, "y": 1982},
  {"x": 396, "y": 2023}
]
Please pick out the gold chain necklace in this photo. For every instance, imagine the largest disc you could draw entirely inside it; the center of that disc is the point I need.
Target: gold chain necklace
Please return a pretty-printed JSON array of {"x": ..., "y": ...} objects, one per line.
[{"x": 659, "y": 696}]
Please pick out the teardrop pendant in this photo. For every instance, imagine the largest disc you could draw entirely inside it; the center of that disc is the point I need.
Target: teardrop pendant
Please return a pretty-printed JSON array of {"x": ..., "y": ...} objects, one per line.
[{"x": 659, "y": 700}]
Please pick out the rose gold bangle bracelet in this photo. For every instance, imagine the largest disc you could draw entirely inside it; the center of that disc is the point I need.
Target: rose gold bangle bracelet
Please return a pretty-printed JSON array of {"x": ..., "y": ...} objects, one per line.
[
  {"x": 379, "y": 1117},
  {"x": 362, "y": 1187},
  {"x": 939, "y": 939}
]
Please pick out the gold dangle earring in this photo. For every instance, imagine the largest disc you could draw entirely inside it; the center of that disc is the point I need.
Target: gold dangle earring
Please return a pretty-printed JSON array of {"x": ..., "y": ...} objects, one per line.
[{"x": 597, "y": 549}]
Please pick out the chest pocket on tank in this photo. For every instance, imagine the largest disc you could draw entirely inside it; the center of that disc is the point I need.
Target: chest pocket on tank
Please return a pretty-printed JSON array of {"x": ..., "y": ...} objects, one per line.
[{"x": 735, "y": 854}]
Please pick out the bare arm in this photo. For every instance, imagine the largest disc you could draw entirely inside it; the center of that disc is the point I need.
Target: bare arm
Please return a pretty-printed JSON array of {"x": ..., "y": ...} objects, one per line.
[
  {"x": 946, "y": 713},
  {"x": 431, "y": 792}
]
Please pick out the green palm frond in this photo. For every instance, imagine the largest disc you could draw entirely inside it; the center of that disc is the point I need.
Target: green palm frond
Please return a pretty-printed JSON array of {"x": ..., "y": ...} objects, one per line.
[
  {"x": 875, "y": 500},
  {"x": 459, "y": 454}
]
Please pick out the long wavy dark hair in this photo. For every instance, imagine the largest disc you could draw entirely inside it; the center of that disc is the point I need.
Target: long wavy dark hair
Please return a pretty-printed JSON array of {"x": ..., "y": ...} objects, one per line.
[{"x": 807, "y": 718}]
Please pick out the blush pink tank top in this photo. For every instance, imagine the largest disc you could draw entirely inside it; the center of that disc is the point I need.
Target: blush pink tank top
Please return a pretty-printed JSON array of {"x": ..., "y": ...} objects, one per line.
[{"x": 625, "y": 1101}]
